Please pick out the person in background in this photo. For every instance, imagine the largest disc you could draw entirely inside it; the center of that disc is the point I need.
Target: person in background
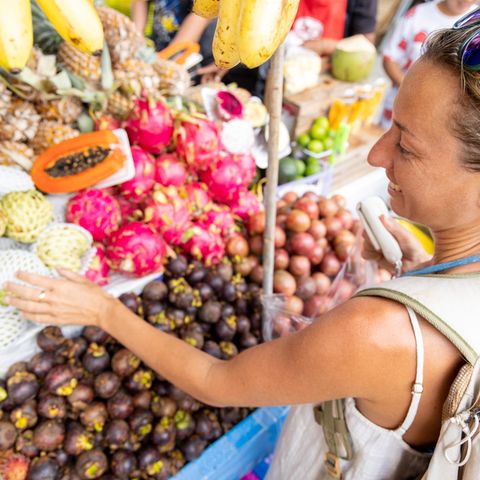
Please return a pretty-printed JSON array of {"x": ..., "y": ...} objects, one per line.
[{"x": 405, "y": 44}]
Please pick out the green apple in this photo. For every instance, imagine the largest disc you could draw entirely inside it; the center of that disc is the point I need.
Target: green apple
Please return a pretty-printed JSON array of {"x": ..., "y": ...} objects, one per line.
[
  {"x": 322, "y": 122},
  {"x": 318, "y": 132},
  {"x": 303, "y": 139},
  {"x": 315, "y": 146}
]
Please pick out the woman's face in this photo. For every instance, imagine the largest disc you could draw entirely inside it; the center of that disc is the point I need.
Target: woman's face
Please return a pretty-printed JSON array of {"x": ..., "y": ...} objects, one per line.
[
  {"x": 421, "y": 157},
  {"x": 458, "y": 7}
]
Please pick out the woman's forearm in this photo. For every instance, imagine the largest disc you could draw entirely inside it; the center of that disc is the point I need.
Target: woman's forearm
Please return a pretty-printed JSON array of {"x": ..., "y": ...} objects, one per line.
[
  {"x": 393, "y": 70},
  {"x": 140, "y": 14}
]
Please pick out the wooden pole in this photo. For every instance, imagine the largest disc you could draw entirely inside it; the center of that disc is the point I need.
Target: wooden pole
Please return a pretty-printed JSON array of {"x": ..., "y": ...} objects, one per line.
[{"x": 274, "y": 96}]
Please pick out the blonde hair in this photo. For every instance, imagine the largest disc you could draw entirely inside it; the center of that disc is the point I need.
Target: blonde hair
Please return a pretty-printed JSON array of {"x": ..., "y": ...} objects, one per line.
[{"x": 442, "y": 48}]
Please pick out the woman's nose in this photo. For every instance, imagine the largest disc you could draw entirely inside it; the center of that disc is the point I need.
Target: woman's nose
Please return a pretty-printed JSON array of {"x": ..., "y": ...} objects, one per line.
[{"x": 380, "y": 154}]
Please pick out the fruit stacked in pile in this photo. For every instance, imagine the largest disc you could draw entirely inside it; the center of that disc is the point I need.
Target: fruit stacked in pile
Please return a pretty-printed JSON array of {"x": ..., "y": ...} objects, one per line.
[{"x": 86, "y": 408}]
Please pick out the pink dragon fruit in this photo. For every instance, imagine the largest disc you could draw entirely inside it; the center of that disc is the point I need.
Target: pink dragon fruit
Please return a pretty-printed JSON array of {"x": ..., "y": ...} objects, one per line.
[
  {"x": 144, "y": 179},
  {"x": 98, "y": 270},
  {"x": 224, "y": 179},
  {"x": 136, "y": 249},
  {"x": 229, "y": 106},
  {"x": 196, "y": 195},
  {"x": 197, "y": 142},
  {"x": 168, "y": 214},
  {"x": 218, "y": 219},
  {"x": 245, "y": 205},
  {"x": 246, "y": 162},
  {"x": 150, "y": 125},
  {"x": 95, "y": 210},
  {"x": 169, "y": 170},
  {"x": 130, "y": 211},
  {"x": 204, "y": 245}
]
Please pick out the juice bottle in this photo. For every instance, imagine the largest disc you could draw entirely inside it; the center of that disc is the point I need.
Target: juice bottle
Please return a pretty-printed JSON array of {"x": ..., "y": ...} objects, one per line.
[{"x": 341, "y": 108}]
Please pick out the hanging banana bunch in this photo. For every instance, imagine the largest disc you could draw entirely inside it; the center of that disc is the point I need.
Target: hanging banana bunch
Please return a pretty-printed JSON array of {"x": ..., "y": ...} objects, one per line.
[
  {"x": 16, "y": 35},
  {"x": 248, "y": 31}
]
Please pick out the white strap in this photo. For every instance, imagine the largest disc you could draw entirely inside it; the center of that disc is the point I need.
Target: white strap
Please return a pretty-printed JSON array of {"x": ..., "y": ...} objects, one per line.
[
  {"x": 417, "y": 388},
  {"x": 463, "y": 419}
]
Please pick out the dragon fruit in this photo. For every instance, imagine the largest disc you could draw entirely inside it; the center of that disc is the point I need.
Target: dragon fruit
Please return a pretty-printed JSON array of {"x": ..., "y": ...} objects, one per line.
[
  {"x": 245, "y": 205},
  {"x": 136, "y": 249},
  {"x": 150, "y": 125},
  {"x": 169, "y": 170},
  {"x": 130, "y": 211},
  {"x": 196, "y": 195},
  {"x": 144, "y": 179},
  {"x": 229, "y": 106},
  {"x": 98, "y": 269},
  {"x": 204, "y": 245},
  {"x": 246, "y": 162},
  {"x": 95, "y": 210},
  {"x": 218, "y": 219},
  {"x": 224, "y": 179},
  {"x": 168, "y": 214},
  {"x": 197, "y": 142}
]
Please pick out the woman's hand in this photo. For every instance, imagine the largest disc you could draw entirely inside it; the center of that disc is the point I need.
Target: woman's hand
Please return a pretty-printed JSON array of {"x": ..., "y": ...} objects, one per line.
[
  {"x": 68, "y": 301},
  {"x": 413, "y": 253},
  {"x": 211, "y": 73}
]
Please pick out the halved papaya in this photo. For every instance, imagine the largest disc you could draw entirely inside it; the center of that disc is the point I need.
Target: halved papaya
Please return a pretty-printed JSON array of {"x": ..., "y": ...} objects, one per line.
[{"x": 78, "y": 162}]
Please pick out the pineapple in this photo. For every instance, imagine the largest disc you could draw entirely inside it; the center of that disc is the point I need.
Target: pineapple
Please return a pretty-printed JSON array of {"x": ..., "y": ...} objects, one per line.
[
  {"x": 20, "y": 123},
  {"x": 136, "y": 77},
  {"x": 64, "y": 110},
  {"x": 120, "y": 105},
  {"x": 87, "y": 67},
  {"x": 121, "y": 34},
  {"x": 174, "y": 78},
  {"x": 16, "y": 154},
  {"x": 5, "y": 99},
  {"x": 50, "y": 133}
]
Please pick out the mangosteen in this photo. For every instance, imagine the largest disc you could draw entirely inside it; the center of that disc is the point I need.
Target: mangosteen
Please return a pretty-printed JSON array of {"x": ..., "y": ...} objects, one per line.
[
  {"x": 229, "y": 292},
  {"x": 164, "y": 434},
  {"x": 139, "y": 380},
  {"x": 95, "y": 335},
  {"x": 42, "y": 363},
  {"x": 193, "y": 447},
  {"x": 176, "y": 267},
  {"x": 94, "y": 417},
  {"x": 49, "y": 435},
  {"x": 3, "y": 393},
  {"x": 50, "y": 339},
  {"x": 8, "y": 435},
  {"x": 231, "y": 415},
  {"x": 207, "y": 425},
  {"x": 248, "y": 340},
  {"x": 81, "y": 397},
  {"x": 91, "y": 464},
  {"x": 96, "y": 359},
  {"x": 133, "y": 302},
  {"x": 177, "y": 460},
  {"x": 61, "y": 457},
  {"x": 182, "y": 299},
  {"x": 153, "y": 463},
  {"x": 193, "y": 335},
  {"x": 106, "y": 384},
  {"x": 163, "y": 406},
  {"x": 77, "y": 439},
  {"x": 15, "y": 368},
  {"x": 241, "y": 306},
  {"x": 120, "y": 405},
  {"x": 256, "y": 321},
  {"x": 123, "y": 464},
  {"x": 191, "y": 312},
  {"x": 24, "y": 444},
  {"x": 184, "y": 423},
  {"x": 43, "y": 468},
  {"x": 52, "y": 406},
  {"x": 124, "y": 362},
  {"x": 227, "y": 310},
  {"x": 205, "y": 292},
  {"x": 210, "y": 311},
  {"x": 225, "y": 270},
  {"x": 183, "y": 400},
  {"x": 22, "y": 386},
  {"x": 155, "y": 291},
  {"x": 116, "y": 433},
  {"x": 196, "y": 272},
  {"x": 25, "y": 416},
  {"x": 241, "y": 288},
  {"x": 243, "y": 324},
  {"x": 142, "y": 399},
  {"x": 155, "y": 313},
  {"x": 175, "y": 317},
  {"x": 226, "y": 328},
  {"x": 140, "y": 422},
  {"x": 212, "y": 348},
  {"x": 229, "y": 350},
  {"x": 215, "y": 281},
  {"x": 60, "y": 380},
  {"x": 76, "y": 348}
]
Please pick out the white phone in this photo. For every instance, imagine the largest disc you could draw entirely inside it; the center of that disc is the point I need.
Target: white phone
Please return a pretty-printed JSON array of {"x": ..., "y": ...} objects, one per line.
[{"x": 369, "y": 212}]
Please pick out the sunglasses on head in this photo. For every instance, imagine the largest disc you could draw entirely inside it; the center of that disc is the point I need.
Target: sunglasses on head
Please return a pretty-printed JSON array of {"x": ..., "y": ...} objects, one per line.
[{"x": 469, "y": 51}]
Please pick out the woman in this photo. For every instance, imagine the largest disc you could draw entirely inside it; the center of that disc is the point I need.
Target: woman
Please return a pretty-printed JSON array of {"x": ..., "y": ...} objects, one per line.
[{"x": 366, "y": 349}]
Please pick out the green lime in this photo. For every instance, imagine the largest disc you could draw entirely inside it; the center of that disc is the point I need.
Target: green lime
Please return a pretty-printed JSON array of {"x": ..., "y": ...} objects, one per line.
[
  {"x": 312, "y": 161},
  {"x": 328, "y": 143},
  {"x": 303, "y": 139},
  {"x": 312, "y": 169},
  {"x": 332, "y": 134},
  {"x": 322, "y": 122},
  {"x": 300, "y": 167},
  {"x": 287, "y": 170},
  {"x": 315, "y": 146},
  {"x": 317, "y": 132}
]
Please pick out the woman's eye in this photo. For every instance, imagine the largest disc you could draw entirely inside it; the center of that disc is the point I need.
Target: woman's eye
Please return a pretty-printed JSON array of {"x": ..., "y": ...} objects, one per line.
[{"x": 402, "y": 150}]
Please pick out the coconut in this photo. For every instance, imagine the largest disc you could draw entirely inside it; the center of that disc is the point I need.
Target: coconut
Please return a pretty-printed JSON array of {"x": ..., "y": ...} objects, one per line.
[{"x": 353, "y": 59}]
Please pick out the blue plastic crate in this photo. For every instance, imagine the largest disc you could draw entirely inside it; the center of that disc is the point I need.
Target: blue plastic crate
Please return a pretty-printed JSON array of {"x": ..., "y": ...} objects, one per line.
[{"x": 239, "y": 450}]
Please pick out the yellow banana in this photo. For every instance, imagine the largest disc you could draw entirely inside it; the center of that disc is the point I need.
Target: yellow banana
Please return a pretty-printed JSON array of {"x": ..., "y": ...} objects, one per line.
[
  {"x": 224, "y": 44},
  {"x": 77, "y": 22},
  {"x": 263, "y": 26},
  {"x": 16, "y": 34},
  {"x": 206, "y": 8},
  {"x": 425, "y": 240}
]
